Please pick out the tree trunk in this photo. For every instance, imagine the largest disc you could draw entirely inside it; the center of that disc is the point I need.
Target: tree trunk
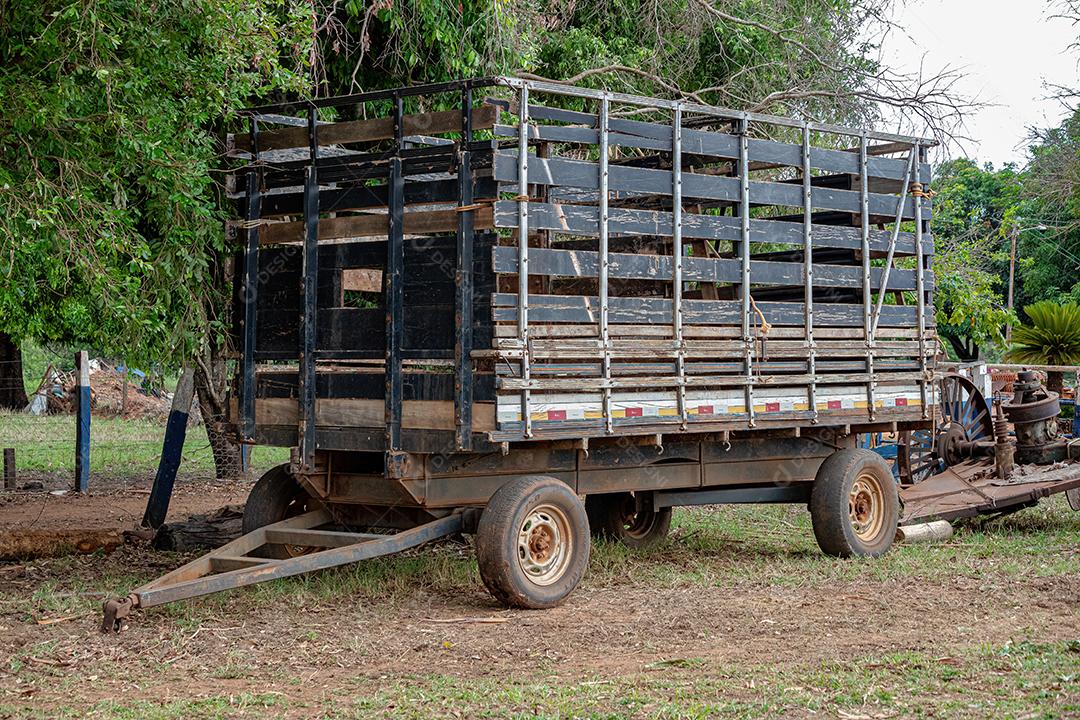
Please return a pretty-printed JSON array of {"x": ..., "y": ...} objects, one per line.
[
  {"x": 12, "y": 390},
  {"x": 211, "y": 390}
]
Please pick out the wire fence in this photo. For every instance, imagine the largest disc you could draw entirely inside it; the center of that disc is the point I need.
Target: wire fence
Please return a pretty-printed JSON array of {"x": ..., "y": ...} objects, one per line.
[
  {"x": 129, "y": 409},
  {"x": 123, "y": 451}
]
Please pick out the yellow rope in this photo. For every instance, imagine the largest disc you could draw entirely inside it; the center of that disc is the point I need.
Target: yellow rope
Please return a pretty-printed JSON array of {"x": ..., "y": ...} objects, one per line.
[
  {"x": 916, "y": 190},
  {"x": 765, "y": 326}
]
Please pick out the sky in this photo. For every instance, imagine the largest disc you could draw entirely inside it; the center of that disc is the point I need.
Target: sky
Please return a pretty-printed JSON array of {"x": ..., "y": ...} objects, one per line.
[{"x": 1010, "y": 52}]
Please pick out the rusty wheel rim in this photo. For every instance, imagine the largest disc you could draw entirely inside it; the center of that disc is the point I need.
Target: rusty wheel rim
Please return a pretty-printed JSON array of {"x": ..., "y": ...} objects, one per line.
[
  {"x": 635, "y": 524},
  {"x": 866, "y": 507},
  {"x": 544, "y": 544},
  {"x": 297, "y": 507}
]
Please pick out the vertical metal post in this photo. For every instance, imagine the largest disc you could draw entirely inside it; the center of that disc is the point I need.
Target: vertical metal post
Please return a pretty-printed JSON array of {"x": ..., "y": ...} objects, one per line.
[
  {"x": 808, "y": 275},
  {"x": 920, "y": 287},
  {"x": 82, "y": 423},
  {"x": 309, "y": 281},
  {"x": 605, "y": 333},
  {"x": 463, "y": 315},
  {"x": 394, "y": 279},
  {"x": 523, "y": 254},
  {"x": 868, "y": 300},
  {"x": 249, "y": 298},
  {"x": 677, "y": 264},
  {"x": 744, "y": 211}
]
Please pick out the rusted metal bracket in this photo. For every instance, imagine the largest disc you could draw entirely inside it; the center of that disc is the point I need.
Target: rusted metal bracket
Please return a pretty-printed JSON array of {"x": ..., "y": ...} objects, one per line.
[{"x": 116, "y": 610}]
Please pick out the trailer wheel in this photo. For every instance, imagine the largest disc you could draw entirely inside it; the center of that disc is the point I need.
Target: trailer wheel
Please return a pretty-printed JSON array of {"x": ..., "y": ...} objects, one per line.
[
  {"x": 616, "y": 516},
  {"x": 532, "y": 542},
  {"x": 854, "y": 505},
  {"x": 274, "y": 497}
]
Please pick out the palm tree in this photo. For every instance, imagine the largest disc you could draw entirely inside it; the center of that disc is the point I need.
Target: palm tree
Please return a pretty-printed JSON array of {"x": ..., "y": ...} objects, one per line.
[{"x": 1053, "y": 338}]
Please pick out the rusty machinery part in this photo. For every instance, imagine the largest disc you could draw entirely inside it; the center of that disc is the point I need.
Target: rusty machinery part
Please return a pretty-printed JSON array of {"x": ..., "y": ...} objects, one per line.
[
  {"x": 1004, "y": 450},
  {"x": 1033, "y": 411},
  {"x": 1073, "y": 496},
  {"x": 116, "y": 609},
  {"x": 966, "y": 429}
]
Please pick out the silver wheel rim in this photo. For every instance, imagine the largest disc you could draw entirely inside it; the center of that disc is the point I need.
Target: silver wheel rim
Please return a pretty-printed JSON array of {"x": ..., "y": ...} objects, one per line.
[
  {"x": 866, "y": 507},
  {"x": 544, "y": 543}
]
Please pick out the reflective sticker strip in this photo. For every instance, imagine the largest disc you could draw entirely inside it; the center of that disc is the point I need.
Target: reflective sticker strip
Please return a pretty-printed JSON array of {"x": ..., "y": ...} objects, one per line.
[{"x": 701, "y": 405}]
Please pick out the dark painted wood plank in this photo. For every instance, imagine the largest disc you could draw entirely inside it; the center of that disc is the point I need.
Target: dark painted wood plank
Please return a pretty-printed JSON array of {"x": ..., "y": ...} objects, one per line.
[
  {"x": 370, "y": 385},
  {"x": 357, "y": 198}
]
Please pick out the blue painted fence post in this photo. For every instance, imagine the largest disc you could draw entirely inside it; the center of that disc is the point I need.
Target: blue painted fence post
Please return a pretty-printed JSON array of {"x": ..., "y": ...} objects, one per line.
[
  {"x": 82, "y": 423},
  {"x": 157, "y": 506}
]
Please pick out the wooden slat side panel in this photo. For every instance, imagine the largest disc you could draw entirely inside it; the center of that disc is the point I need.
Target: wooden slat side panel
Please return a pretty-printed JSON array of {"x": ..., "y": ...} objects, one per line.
[
  {"x": 564, "y": 172},
  {"x": 586, "y": 263},
  {"x": 651, "y": 310},
  {"x": 361, "y": 413},
  {"x": 373, "y": 225},
  {"x": 352, "y": 131},
  {"x": 583, "y": 220},
  {"x": 716, "y": 144}
]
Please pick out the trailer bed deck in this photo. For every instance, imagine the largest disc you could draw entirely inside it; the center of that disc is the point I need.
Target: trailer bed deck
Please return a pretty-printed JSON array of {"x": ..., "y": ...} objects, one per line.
[{"x": 971, "y": 488}]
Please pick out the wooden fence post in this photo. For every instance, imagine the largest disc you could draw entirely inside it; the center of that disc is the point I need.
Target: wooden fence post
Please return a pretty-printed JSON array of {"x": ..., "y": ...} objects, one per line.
[
  {"x": 157, "y": 506},
  {"x": 10, "y": 479},
  {"x": 82, "y": 423}
]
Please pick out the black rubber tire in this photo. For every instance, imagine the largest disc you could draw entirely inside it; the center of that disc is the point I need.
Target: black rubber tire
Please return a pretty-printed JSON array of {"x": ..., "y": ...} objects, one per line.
[
  {"x": 1073, "y": 497},
  {"x": 829, "y": 499},
  {"x": 275, "y": 496},
  {"x": 496, "y": 542},
  {"x": 608, "y": 514}
]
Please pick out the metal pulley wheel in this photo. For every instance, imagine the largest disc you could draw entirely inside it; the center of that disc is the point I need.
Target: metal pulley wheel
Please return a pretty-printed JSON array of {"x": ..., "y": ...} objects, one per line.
[{"x": 966, "y": 418}]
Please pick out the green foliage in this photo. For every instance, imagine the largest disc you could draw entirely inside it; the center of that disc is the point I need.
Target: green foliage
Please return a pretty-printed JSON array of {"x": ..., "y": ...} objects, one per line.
[
  {"x": 1053, "y": 338},
  {"x": 385, "y": 44},
  {"x": 111, "y": 228},
  {"x": 974, "y": 210},
  {"x": 1052, "y": 182},
  {"x": 630, "y": 45}
]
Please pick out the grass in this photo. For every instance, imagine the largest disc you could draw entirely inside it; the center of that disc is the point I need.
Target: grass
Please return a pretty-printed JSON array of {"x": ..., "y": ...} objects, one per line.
[
  {"x": 730, "y": 547},
  {"x": 1015, "y": 680},
  {"x": 1027, "y": 680},
  {"x": 118, "y": 448}
]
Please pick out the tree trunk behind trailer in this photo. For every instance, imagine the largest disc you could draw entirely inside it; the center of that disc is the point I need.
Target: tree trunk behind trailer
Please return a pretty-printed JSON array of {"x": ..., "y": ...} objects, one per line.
[
  {"x": 12, "y": 389},
  {"x": 210, "y": 386}
]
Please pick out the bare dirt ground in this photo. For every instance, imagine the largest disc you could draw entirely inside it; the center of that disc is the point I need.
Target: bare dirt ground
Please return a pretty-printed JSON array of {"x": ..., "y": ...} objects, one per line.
[
  {"x": 110, "y": 504},
  {"x": 715, "y": 604}
]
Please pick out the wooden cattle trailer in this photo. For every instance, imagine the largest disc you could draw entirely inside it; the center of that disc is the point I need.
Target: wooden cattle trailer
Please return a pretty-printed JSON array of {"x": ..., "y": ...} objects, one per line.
[{"x": 715, "y": 302}]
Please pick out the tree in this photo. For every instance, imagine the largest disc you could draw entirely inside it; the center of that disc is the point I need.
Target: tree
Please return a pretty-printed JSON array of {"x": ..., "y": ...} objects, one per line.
[
  {"x": 1053, "y": 338},
  {"x": 975, "y": 209},
  {"x": 111, "y": 220},
  {"x": 1052, "y": 182},
  {"x": 12, "y": 390},
  {"x": 813, "y": 58},
  {"x": 111, "y": 226}
]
